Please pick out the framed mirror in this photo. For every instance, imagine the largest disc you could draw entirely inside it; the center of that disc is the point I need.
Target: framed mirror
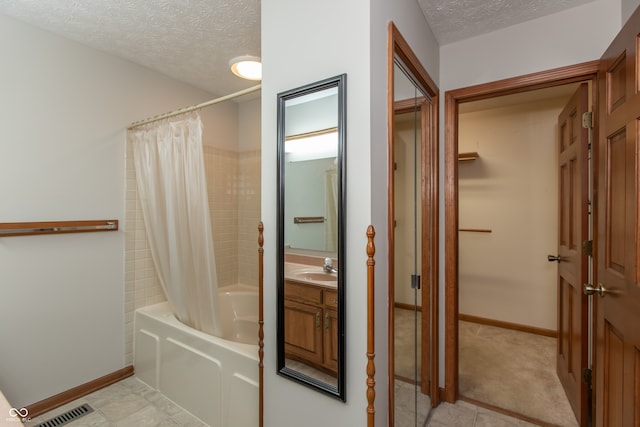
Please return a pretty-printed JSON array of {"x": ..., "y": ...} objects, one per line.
[{"x": 311, "y": 235}]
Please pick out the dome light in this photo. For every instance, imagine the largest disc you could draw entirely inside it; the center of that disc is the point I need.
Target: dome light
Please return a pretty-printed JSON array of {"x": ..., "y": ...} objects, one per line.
[{"x": 247, "y": 67}]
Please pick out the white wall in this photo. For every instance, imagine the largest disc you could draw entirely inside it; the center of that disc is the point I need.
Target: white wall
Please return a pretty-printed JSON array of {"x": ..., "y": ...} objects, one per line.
[
  {"x": 63, "y": 113},
  {"x": 510, "y": 189},
  {"x": 298, "y": 48},
  {"x": 575, "y": 35},
  {"x": 301, "y": 45},
  {"x": 221, "y": 126},
  {"x": 250, "y": 125},
  {"x": 628, "y": 7}
]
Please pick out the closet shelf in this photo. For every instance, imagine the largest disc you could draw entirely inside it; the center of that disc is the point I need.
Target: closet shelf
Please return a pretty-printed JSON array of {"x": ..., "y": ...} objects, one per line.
[{"x": 467, "y": 157}]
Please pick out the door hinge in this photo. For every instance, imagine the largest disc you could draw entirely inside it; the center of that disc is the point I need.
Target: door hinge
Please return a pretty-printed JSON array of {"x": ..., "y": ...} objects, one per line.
[
  {"x": 587, "y": 248},
  {"x": 587, "y": 120},
  {"x": 415, "y": 281},
  {"x": 587, "y": 376}
]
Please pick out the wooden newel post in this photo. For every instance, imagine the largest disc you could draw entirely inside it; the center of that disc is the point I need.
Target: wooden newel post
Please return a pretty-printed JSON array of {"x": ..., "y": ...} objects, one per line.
[
  {"x": 371, "y": 367},
  {"x": 261, "y": 320}
]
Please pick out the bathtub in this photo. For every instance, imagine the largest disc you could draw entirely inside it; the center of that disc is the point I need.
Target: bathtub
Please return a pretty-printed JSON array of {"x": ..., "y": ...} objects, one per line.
[
  {"x": 239, "y": 313},
  {"x": 215, "y": 379}
]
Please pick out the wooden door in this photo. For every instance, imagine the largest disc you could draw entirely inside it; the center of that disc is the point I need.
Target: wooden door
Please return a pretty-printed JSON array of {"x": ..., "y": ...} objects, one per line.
[
  {"x": 617, "y": 341},
  {"x": 573, "y": 203}
]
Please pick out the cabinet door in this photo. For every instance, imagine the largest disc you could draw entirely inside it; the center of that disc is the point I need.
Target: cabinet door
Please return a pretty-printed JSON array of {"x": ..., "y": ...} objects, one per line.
[
  {"x": 303, "y": 331},
  {"x": 309, "y": 294},
  {"x": 331, "y": 339}
]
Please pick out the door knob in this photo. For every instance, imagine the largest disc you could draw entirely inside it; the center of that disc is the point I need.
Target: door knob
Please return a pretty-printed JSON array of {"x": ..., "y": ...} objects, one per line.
[
  {"x": 589, "y": 289},
  {"x": 552, "y": 258}
]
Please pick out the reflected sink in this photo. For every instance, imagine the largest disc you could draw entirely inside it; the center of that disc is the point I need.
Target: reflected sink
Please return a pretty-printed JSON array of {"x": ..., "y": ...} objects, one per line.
[{"x": 315, "y": 276}]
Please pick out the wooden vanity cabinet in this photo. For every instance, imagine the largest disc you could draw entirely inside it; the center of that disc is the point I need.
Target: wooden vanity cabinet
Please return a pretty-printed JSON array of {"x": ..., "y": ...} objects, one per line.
[{"x": 311, "y": 324}]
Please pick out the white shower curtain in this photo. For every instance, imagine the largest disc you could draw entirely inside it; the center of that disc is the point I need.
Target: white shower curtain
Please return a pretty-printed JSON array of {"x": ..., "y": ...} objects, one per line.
[{"x": 172, "y": 186}]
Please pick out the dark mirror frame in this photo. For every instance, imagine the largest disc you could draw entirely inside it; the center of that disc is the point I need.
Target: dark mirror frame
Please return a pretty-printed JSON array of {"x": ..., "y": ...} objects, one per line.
[{"x": 340, "y": 82}]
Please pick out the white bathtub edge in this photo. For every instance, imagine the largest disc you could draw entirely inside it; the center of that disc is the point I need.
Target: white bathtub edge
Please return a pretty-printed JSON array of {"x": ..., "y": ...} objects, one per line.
[{"x": 162, "y": 313}]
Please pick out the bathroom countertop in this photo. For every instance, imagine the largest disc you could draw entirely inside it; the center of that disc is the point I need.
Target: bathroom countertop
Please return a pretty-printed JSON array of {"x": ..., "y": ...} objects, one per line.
[{"x": 290, "y": 270}]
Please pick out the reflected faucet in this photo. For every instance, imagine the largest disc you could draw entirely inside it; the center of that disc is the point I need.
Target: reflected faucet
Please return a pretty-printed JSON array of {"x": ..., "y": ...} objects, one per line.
[{"x": 328, "y": 266}]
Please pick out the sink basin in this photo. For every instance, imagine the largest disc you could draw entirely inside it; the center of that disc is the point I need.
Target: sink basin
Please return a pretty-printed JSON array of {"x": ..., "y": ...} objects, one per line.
[{"x": 315, "y": 276}]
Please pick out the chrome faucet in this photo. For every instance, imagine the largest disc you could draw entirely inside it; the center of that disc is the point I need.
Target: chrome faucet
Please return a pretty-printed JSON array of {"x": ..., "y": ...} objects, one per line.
[{"x": 328, "y": 266}]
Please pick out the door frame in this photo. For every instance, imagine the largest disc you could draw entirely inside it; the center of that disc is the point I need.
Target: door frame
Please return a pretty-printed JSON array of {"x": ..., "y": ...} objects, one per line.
[
  {"x": 399, "y": 47},
  {"x": 555, "y": 77}
]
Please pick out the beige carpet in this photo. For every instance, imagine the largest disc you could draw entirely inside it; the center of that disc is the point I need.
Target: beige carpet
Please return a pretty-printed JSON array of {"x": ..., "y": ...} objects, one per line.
[{"x": 514, "y": 371}]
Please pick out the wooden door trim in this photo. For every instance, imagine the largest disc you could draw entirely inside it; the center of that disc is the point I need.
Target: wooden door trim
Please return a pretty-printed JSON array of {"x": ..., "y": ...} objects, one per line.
[
  {"x": 431, "y": 247},
  {"x": 543, "y": 79},
  {"x": 399, "y": 47}
]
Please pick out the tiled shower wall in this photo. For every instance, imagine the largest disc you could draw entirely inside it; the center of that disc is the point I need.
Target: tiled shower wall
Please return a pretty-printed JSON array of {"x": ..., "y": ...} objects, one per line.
[
  {"x": 248, "y": 216},
  {"x": 233, "y": 184}
]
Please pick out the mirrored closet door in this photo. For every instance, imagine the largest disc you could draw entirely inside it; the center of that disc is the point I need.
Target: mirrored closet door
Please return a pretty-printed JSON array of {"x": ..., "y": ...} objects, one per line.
[{"x": 410, "y": 277}]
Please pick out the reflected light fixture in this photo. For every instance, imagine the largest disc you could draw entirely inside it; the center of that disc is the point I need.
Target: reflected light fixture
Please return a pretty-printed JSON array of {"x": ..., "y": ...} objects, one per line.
[
  {"x": 316, "y": 146},
  {"x": 248, "y": 67}
]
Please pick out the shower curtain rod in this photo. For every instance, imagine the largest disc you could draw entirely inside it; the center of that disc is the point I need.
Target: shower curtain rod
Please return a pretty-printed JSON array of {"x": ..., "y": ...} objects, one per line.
[{"x": 194, "y": 107}]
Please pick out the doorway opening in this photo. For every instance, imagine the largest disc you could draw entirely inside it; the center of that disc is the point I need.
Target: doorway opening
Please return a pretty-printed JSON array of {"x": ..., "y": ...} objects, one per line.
[{"x": 499, "y": 284}]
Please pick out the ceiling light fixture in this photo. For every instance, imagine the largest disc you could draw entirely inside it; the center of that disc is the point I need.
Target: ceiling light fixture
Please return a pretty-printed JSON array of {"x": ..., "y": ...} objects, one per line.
[{"x": 247, "y": 67}]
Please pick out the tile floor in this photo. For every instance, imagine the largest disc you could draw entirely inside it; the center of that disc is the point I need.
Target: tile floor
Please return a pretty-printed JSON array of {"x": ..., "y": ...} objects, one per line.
[
  {"x": 128, "y": 403},
  {"x": 411, "y": 406},
  {"x": 131, "y": 403}
]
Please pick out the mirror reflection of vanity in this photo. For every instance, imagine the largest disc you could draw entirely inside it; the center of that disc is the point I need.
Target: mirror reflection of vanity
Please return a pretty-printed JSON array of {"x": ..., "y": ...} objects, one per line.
[{"x": 311, "y": 216}]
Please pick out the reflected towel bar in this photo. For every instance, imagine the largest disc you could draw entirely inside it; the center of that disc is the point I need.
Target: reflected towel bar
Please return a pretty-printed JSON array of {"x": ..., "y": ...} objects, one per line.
[
  {"x": 56, "y": 227},
  {"x": 307, "y": 219}
]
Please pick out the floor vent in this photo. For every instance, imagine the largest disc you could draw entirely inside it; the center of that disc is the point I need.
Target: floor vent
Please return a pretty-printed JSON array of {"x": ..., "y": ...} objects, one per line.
[{"x": 68, "y": 416}]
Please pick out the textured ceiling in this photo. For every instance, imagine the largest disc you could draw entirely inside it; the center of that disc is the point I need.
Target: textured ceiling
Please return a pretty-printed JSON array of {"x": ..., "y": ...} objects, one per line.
[
  {"x": 456, "y": 20},
  {"x": 191, "y": 41},
  {"x": 194, "y": 40}
]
